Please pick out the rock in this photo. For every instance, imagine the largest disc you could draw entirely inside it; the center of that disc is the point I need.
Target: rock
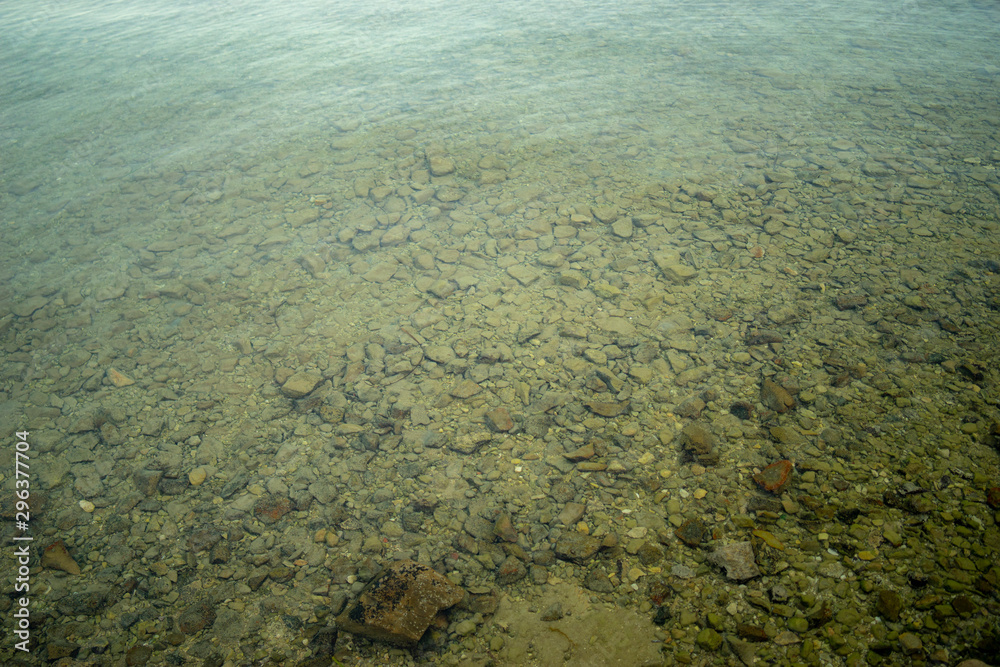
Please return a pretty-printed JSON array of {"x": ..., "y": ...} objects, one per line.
[
  {"x": 510, "y": 571},
  {"x": 465, "y": 389},
  {"x": 196, "y": 618},
  {"x": 776, "y": 397},
  {"x": 774, "y": 477},
  {"x": 697, "y": 441},
  {"x": 56, "y": 557},
  {"x": 271, "y": 508},
  {"x": 499, "y": 420},
  {"x": 607, "y": 408},
  {"x": 577, "y": 547},
  {"x": 469, "y": 443},
  {"x": 622, "y": 227},
  {"x": 709, "y": 639},
  {"x": 300, "y": 384},
  {"x": 523, "y": 273},
  {"x": 27, "y": 307},
  {"x": 118, "y": 379},
  {"x": 910, "y": 643},
  {"x": 138, "y": 655},
  {"x": 737, "y": 559},
  {"x": 888, "y": 603},
  {"x": 197, "y": 476},
  {"x": 693, "y": 532},
  {"x": 147, "y": 481},
  {"x": 441, "y": 166},
  {"x": 399, "y": 603}
]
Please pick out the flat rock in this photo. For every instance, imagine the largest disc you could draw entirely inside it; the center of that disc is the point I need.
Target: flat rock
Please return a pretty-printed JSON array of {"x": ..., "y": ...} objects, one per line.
[
  {"x": 300, "y": 384},
  {"x": 523, "y": 274},
  {"x": 399, "y": 604},
  {"x": 774, "y": 477},
  {"x": 29, "y": 306},
  {"x": 577, "y": 547},
  {"x": 737, "y": 560},
  {"x": 469, "y": 443},
  {"x": 56, "y": 557},
  {"x": 776, "y": 397}
]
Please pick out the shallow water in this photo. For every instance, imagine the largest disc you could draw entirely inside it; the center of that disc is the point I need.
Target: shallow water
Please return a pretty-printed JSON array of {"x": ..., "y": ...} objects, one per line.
[{"x": 210, "y": 197}]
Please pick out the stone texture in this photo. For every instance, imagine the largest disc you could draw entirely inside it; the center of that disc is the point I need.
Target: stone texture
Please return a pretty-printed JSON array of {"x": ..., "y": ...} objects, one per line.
[{"x": 399, "y": 604}]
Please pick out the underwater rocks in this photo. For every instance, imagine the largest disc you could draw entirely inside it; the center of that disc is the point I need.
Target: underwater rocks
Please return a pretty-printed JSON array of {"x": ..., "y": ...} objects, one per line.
[
  {"x": 399, "y": 603},
  {"x": 699, "y": 443}
]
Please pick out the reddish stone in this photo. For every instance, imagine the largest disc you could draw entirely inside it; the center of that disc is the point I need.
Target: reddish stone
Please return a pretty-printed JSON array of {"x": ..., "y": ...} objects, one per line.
[
  {"x": 775, "y": 477},
  {"x": 499, "y": 419},
  {"x": 271, "y": 508},
  {"x": 993, "y": 497}
]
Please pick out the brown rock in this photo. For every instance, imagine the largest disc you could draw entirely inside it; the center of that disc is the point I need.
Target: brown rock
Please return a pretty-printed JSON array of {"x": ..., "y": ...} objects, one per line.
[
  {"x": 499, "y": 419},
  {"x": 196, "y": 618},
  {"x": 56, "y": 557},
  {"x": 399, "y": 604},
  {"x": 465, "y": 389},
  {"x": 607, "y": 408},
  {"x": 776, "y": 397},
  {"x": 774, "y": 477},
  {"x": 577, "y": 547},
  {"x": 119, "y": 379},
  {"x": 581, "y": 453},
  {"x": 300, "y": 384},
  {"x": 271, "y": 508},
  {"x": 700, "y": 444},
  {"x": 693, "y": 532}
]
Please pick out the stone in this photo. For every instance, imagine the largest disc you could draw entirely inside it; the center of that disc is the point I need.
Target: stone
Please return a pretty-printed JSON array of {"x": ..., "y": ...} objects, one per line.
[
  {"x": 499, "y": 420},
  {"x": 300, "y": 384},
  {"x": 577, "y": 547},
  {"x": 399, "y": 603},
  {"x": 118, "y": 378},
  {"x": 737, "y": 559},
  {"x": 56, "y": 557},
  {"x": 440, "y": 165},
  {"x": 196, "y": 618},
  {"x": 607, "y": 408},
  {"x": 197, "y": 476},
  {"x": 699, "y": 443},
  {"x": 776, "y": 397},
  {"x": 910, "y": 643},
  {"x": 775, "y": 477},
  {"x": 511, "y": 571},
  {"x": 709, "y": 639},
  {"x": 693, "y": 532},
  {"x": 139, "y": 654},
  {"x": 27, "y": 307},
  {"x": 269, "y": 509}
]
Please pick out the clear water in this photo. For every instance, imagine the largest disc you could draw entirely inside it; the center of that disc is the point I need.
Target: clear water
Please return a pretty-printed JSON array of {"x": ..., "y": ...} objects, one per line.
[
  {"x": 97, "y": 95},
  {"x": 146, "y": 143}
]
